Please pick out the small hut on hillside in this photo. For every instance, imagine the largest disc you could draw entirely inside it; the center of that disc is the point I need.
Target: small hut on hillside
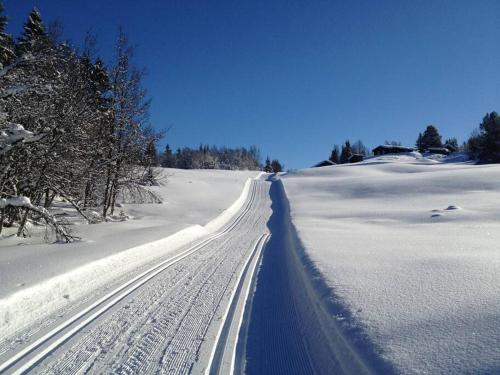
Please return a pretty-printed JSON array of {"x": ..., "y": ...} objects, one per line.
[{"x": 324, "y": 163}]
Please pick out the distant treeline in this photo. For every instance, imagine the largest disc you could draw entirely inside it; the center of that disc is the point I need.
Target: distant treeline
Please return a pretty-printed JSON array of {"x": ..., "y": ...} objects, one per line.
[
  {"x": 211, "y": 157},
  {"x": 483, "y": 144}
]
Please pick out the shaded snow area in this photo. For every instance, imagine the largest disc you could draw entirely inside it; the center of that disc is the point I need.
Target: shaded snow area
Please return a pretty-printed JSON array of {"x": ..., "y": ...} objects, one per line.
[
  {"x": 409, "y": 248},
  {"x": 34, "y": 276}
]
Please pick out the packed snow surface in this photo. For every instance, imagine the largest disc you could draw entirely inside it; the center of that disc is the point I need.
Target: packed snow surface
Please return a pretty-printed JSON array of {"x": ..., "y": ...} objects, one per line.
[
  {"x": 410, "y": 248},
  {"x": 190, "y": 198},
  {"x": 166, "y": 320}
]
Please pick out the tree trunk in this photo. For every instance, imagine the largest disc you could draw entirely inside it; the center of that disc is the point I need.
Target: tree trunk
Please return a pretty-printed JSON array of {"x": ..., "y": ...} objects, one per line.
[
  {"x": 23, "y": 223},
  {"x": 2, "y": 217}
]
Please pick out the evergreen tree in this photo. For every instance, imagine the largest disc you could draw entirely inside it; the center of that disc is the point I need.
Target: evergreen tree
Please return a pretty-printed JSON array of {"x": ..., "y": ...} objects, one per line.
[
  {"x": 430, "y": 138},
  {"x": 360, "y": 148},
  {"x": 168, "y": 159},
  {"x": 419, "y": 143},
  {"x": 267, "y": 166},
  {"x": 334, "y": 156},
  {"x": 34, "y": 37},
  {"x": 451, "y": 144},
  {"x": 276, "y": 166},
  {"x": 100, "y": 77},
  {"x": 474, "y": 144},
  {"x": 6, "y": 41},
  {"x": 490, "y": 138},
  {"x": 346, "y": 152}
]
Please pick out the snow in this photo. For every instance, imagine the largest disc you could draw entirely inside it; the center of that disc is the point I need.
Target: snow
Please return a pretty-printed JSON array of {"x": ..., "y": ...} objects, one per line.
[
  {"x": 190, "y": 198},
  {"x": 164, "y": 320},
  {"x": 409, "y": 247},
  {"x": 13, "y": 134},
  {"x": 15, "y": 201},
  {"x": 48, "y": 294}
]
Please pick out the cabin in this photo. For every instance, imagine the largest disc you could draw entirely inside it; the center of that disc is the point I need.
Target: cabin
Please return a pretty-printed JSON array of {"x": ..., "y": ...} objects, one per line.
[
  {"x": 438, "y": 150},
  {"x": 356, "y": 158},
  {"x": 390, "y": 149},
  {"x": 324, "y": 163}
]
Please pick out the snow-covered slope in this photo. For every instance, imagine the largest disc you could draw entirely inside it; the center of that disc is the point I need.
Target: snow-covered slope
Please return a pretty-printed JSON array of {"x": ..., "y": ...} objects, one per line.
[
  {"x": 410, "y": 249},
  {"x": 191, "y": 197}
]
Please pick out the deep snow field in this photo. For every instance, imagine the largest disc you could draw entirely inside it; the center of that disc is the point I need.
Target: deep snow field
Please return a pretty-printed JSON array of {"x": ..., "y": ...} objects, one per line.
[
  {"x": 410, "y": 248},
  {"x": 190, "y": 198}
]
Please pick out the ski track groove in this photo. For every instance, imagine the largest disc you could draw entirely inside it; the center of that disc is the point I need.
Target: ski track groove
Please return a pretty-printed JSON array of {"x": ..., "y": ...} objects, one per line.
[{"x": 161, "y": 326}]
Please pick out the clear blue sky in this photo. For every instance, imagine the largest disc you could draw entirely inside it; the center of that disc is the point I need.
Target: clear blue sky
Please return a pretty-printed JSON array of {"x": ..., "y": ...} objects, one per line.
[{"x": 294, "y": 77}]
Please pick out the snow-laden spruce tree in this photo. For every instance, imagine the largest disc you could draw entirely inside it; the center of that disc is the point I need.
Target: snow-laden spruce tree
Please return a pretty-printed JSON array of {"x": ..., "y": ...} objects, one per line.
[
  {"x": 34, "y": 36},
  {"x": 6, "y": 42},
  {"x": 43, "y": 91}
]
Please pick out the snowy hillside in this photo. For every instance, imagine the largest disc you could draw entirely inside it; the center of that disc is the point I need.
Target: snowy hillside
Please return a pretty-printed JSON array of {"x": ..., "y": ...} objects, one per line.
[
  {"x": 409, "y": 247},
  {"x": 190, "y": 197}
]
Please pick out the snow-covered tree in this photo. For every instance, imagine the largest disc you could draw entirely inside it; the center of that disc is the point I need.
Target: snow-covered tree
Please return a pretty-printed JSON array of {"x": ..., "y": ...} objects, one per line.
[
  {"x": 89, "y": 123},
  {"x": 125, "y": 139},
  {"x": 34, "y": 37},
  {"x": 6, "y": 42}
]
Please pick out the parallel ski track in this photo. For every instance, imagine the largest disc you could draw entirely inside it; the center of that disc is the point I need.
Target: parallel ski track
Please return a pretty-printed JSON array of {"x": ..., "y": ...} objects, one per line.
[
  {"x": 33, "y": 354},
  {"x": 225, "y": 343}
]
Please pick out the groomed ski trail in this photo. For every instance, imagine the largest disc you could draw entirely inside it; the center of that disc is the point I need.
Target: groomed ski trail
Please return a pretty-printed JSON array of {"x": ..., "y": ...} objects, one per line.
[{"x": 170, "y": 318}]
